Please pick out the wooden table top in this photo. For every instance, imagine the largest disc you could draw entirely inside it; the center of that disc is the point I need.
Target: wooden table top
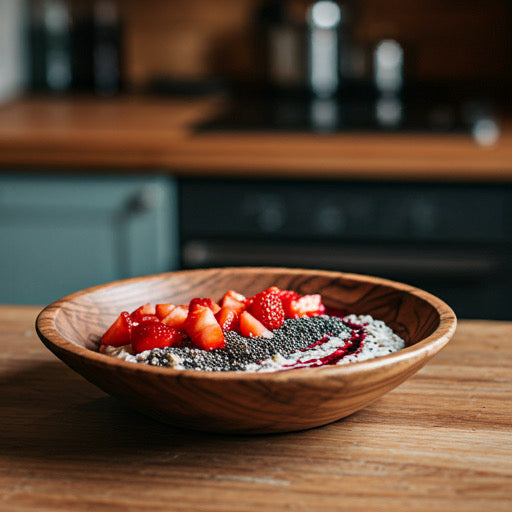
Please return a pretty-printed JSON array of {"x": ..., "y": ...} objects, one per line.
[
  {"x": 441, "y": 441},
  {"x": 145, "y": 133}
]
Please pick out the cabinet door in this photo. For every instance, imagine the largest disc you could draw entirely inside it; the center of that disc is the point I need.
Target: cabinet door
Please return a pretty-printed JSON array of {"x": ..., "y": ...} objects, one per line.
[{"x": 61, "y": 234}]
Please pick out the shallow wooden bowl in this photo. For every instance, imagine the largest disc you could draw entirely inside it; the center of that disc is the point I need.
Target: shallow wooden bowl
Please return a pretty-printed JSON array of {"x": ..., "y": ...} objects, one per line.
[{"x": 238, "y": 402}]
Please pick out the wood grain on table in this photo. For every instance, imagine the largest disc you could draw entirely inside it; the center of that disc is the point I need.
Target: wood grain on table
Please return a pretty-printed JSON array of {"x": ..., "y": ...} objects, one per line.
[{"x": 442, "y": 441}]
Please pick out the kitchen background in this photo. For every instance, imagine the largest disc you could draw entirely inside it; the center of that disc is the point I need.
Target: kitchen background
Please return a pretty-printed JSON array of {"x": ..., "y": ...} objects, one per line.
[{"x": 294, "y": 78}]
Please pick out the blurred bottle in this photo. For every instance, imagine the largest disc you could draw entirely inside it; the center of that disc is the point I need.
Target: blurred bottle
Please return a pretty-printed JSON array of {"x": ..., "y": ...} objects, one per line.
[
  {"x": 107, "y": 47},
  {"x": 388, "y": 67},
  {"x": 50, "y": 45},
  {"x": 283, "y": 41},
  {"x": 75, "y": 45},
  {"x": 388, "y": 78},
  {"x": 308, "y": 45},
  {"x": 328, "y": 52}
]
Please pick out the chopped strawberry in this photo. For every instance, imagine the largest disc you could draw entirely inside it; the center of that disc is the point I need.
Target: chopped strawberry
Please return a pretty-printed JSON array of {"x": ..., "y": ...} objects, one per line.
[
  {"x": 143, "y": 313},
  {"x": 119, "y": 333},
  {"x": 205, "y": 321},
  {"x": 162, "y": 310},
  {"x": 205, "y": 302},
  {"x": 230, "y": 302},
  {"x": 203, "y": 329},
  {"x": 227, "y": 318},
  {"x": 231, "y": 294},
  {"x": 287, "y": 295},
  {"x": 146, "y": 318},
  {"x": 302, "y": 305},
  {"x": 251, "y": 327},
  {"x": 177, "y": 317},
  {"x": 267, "y": 307},
  {"x": 148, "y": 335},
  {"x": 273, "y": 289}
]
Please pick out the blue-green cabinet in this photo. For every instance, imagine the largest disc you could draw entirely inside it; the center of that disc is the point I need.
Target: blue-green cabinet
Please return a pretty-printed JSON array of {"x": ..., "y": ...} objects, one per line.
[{"x": 59, "y": 234}]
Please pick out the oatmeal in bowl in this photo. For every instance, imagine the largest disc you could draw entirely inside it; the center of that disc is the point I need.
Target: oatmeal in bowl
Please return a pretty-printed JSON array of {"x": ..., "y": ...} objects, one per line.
[{"x": 273, "y": 330}]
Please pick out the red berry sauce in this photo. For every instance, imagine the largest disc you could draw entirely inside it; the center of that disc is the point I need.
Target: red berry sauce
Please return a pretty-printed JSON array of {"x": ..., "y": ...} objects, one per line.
[{"x": 353, "y": 345}]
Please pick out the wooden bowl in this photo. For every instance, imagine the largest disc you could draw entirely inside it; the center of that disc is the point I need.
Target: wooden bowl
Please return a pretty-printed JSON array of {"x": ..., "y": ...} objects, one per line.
[{"x": 239, "y": 402}]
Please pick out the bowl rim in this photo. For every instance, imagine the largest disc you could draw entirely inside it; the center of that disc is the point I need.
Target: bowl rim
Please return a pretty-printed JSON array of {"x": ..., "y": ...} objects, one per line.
[{"x": 47, "y": 331}]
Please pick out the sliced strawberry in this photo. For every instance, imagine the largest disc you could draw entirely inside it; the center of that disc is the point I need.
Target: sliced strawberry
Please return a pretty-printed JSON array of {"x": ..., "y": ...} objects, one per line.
[
  {"x": 162, "y": 310},
  {"x": 232, "y": 303},
  {"x": 146, "y": 318},
  {"x": 177, "y": 317},
  {"x": 119, "y": 333},
  {"x": 267, "y": 307},
  {"x": 205, "y": 302},
  {"x": 251, "y": 327},
  {"x": 227, "y": 318},
  {"x": 149, "y": 335},
  {"x": 143, "y": 312},
  {"x": 203, "y": 329},
  {"x": 287, "y": 295},
  {"x": 303, "y": 305},
  {"x": 231, "y": 294}
]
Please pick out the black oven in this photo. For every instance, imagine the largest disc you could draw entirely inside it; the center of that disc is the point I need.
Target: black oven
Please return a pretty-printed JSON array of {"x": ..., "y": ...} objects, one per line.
[{"x": 453, "y": 240}]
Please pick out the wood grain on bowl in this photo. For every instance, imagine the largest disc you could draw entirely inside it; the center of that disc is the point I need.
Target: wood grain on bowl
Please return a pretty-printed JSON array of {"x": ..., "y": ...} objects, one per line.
[{"x": 241, "y": 402}]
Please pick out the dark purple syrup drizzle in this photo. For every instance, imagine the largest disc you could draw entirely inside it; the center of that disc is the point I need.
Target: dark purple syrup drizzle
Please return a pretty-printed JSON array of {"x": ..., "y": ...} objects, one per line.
[{"x": 353, "y": 345}]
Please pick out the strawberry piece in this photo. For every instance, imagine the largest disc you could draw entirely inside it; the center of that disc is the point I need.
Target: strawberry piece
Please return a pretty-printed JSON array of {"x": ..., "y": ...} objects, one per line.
[
  {"x": 119, "y": 333},
  {"x": 143, "y": 313},
  {"x": 231, "y": 302},
  {"x": 267, "y": 307},
  {"x": 177, "y": 317},
  {"x": 227, "y": 319},
  {"x": 303, "y": 305},
  {"x": 205, "y": 302},
  {"x": 287, "y": 295},
  {"x": 273, "y": 289},
  {"x": 162, "y": 310},
  {"x": 251, "y": 327},
  {"x": 231, "y": 294},
  {"x": 146, "y": 318},
  {"x": 149, "y": 335},
  {"x": 203, "y": 329}
]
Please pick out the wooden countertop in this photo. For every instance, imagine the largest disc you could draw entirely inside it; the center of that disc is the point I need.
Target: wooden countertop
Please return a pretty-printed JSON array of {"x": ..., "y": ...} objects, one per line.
[
  {"x": 440, "y": 441},
  {"x": 140, "y": 133}
]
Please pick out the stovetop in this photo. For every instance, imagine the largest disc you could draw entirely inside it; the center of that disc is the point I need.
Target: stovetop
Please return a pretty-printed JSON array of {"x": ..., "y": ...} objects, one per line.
[{"x": 281, "y": 114}]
